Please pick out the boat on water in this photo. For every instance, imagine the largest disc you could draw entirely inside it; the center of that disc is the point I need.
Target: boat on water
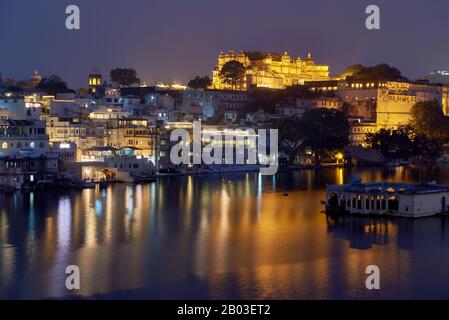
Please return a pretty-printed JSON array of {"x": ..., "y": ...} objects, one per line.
[
  {"x": 387, "y": 198},
  {"x": 88, "y": 184}
]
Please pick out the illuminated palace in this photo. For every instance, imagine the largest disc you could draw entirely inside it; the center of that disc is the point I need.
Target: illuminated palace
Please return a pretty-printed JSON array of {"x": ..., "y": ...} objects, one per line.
[{"x": 272, "y": 71}]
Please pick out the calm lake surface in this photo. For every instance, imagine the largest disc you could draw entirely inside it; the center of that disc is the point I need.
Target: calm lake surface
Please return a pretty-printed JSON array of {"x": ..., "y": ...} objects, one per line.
[{"x": 233, "y": 236}]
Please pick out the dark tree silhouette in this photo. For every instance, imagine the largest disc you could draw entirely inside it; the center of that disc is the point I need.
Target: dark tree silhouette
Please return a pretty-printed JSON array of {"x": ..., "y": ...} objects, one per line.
[
  {"x": 321, "y": 130},
  {"x": 428, "y": 119},
  {"x": 53, "y": 85},
  {"x": 375, "y": 73},
  {"x": 403, "y": 143},
  {"x": 233, "y": 73},
  {"x": 324, "y": 131},
  {"x": 124, "y": 77},
  {"x": 200, "y": 82}
]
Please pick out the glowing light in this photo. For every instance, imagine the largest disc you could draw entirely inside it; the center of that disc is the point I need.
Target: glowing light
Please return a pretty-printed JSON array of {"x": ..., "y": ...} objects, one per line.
[{"x": 64, "y": 146}]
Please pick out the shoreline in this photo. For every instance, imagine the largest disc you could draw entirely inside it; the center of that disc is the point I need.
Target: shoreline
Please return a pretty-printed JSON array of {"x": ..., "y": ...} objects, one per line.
[{"x": 157, "y": 176}]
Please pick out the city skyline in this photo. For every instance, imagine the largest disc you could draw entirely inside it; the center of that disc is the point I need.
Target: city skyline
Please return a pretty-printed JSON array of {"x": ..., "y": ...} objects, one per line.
[
  {"x": 169, "y": 41},
  {"x": 224, "y": 151}
]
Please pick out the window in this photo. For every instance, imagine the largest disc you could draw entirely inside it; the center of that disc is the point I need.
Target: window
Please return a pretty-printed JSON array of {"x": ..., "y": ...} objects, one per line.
[
  {"x": 4, "y": 145},
  {"x": 32, "y": 145}
]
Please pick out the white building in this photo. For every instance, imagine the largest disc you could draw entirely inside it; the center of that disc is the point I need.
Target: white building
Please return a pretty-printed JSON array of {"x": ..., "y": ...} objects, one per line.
[
  {"x": 25, "y": 157},
  {"x": 112, "y": 164},
  {"x": 17, "y": 108},
  {"x": 67, "y": 105},
  {"x": 384, "y": 198},
  {"x": 198, "y": 102}
]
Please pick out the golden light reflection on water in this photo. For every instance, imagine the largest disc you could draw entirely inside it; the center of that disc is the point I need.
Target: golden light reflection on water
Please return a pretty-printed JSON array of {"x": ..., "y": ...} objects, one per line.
[{"x": 236, "y": 236}]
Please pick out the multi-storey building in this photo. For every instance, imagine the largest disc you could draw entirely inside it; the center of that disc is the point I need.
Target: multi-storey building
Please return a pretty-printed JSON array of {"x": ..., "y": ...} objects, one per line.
[
  {"x": 360, "y": 98},
  {"x": 85, "y": 134},
  {"x": 396, "y": 99},
  {"x": 110, "y": 113},
  {"x": 358, "y": 131},
  {"x": 198, "y": 102},
  {"x": 137, "y": 134},
  {"x": 67, "y": 105},
  {"x": 25, "y": 157},
  {"x": 17, "y": 108},
  {"x": 388, "y": 103},
  {"x": 242, "y": 143},
  {"x": 273, "y": 71}
]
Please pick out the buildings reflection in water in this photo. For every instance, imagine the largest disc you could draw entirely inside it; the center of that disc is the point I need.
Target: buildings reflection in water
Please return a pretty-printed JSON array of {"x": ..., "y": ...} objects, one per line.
[
  {"x": 215, "y": 236},
  {"x": 361, "y": 233},
  {"x": 364, "y": 232}
]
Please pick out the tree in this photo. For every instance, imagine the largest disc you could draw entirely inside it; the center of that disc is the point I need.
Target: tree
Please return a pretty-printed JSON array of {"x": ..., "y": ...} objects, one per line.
[
  {"x": 53, "y": 85},
  {"x": 429, "y": 120},
  {"x": 124, "y": 77},
  {"x": 233, "y": 73},
  {"x": 15, "y": 89},
  {"x": 290, "y": 137},
  {"x": 9, "y": 82},
  {"x": 323, "y": 131},
  {"x": 426, "y": 148},
  {"x": 375, "y": 73},
  {"x": 403, "y": 143},
  {"x": 393, "y": 144},
  {"x": 200, "y": 82},
  {"x": 25, "y": 84}
]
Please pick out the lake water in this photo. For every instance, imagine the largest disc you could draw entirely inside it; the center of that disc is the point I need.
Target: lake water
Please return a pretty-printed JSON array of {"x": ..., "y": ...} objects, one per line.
[{"x": 233, "y": 236}]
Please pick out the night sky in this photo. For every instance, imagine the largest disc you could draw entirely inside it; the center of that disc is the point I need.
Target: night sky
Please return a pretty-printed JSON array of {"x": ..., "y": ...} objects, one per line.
[{"x": 177, "y": 39}]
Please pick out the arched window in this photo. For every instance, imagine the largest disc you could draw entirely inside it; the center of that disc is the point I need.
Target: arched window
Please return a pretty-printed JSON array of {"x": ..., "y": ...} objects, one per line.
[
  {"x": 41, "y": 145},
  {"x": 32, "y": 145},
  {"x": 4, "y": 145},
  {"x": 19, "y": 145}
]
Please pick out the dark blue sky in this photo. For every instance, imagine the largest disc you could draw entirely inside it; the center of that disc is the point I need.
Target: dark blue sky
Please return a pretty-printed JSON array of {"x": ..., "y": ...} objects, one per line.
[{"x": 178, "y": 39}]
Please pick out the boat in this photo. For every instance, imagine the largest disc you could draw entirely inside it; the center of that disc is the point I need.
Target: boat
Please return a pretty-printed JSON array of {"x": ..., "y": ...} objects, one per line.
[
  {"x": 143, "y": 178},
  {"x": 88, "y": 184}
]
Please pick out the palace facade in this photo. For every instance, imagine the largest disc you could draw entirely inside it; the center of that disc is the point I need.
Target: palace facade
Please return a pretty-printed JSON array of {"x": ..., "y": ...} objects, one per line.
[{"x": 274, "y": 71}]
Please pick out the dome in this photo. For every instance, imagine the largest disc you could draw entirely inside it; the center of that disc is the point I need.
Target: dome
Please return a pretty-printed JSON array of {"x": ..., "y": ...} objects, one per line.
[{"x": 36, "y": 76}]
